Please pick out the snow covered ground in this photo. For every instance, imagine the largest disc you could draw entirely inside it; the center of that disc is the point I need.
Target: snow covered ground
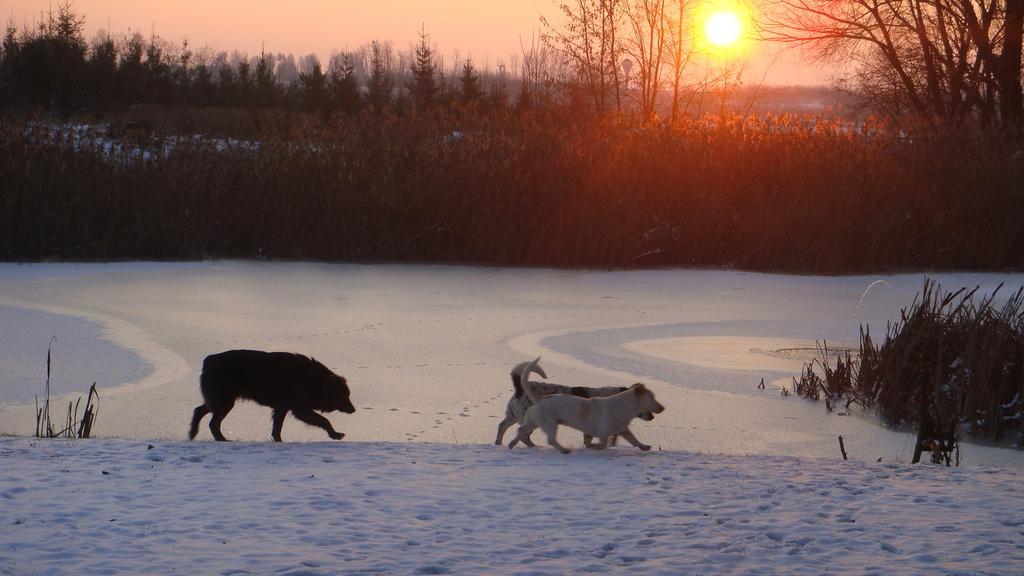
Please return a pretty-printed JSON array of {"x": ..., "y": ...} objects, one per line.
[
  {"x": 131, "y": 507},
  {"x": 427, "y": 349},
  {"x": 741, "y": 480}
]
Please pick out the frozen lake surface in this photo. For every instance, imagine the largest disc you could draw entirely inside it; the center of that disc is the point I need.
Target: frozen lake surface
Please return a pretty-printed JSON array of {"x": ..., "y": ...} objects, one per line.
[
  {"x": 25, "y": 338},
  {"x": 427, "y": 349}
]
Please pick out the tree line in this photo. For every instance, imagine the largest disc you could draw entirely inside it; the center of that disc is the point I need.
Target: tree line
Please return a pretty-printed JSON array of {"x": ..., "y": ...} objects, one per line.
[
  {"x": 580, "y": 66},
  {"x": 53, "y": 67},
  {"x": 935, "y": 60}
]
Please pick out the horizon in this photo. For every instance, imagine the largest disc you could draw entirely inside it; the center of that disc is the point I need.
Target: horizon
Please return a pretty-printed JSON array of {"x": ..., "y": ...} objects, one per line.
[{"x": 492, "y": 33}]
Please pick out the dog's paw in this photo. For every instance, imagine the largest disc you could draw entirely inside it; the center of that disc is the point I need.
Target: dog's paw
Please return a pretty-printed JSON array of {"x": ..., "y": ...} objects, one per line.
[
  {"x": 337, "y": 435},
  {"x": 644, "y": 447}
]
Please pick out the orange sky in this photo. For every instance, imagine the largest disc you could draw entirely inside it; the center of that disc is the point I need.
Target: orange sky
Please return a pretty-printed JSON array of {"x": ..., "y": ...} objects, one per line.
[{"x": 490, "y": 30}]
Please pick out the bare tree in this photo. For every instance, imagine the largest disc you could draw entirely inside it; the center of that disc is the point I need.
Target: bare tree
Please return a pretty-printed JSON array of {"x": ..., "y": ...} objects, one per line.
[
  {"x": 941, "y": 59},
  {"x": 1012, "y": 99},
  {"x": 679, "y": 55},
  {"x": 538, "y": 74},
  {"x": 649, "y": 26},
  {"x": 589, "y": 41},
  {"x": 653, "y": 34}
]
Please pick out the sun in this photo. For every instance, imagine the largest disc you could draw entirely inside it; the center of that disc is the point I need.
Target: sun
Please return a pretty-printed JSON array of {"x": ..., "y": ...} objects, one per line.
[{"x": 723, "y": 28}]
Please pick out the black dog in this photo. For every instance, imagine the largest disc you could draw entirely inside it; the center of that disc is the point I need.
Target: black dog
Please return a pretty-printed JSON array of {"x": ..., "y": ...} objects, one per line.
[{"x": 281, "y": 380}]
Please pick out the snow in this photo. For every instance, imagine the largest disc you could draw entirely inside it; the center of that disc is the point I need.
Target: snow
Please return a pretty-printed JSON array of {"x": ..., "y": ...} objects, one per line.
[
  {"x": 101, "y": 139},
  {"x": 741, "y": 480},
  {"x": 131, "y": 507},
  {"x": 427, "y": 349}
]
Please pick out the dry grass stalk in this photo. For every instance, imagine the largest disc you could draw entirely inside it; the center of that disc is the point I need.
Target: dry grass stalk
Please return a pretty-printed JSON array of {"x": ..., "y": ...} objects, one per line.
[{"x": 72, "y": 426}]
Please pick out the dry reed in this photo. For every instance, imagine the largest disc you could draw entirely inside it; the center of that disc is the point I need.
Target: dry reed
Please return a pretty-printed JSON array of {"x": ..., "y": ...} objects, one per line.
[
  {"x": 781, "y": 193},
  {"x": 72, "y": 427},
  {"x": 952, "y": 361}
]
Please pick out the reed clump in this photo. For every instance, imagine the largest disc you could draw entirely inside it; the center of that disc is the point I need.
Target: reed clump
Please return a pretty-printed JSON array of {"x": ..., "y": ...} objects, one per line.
[
  {"x": 953, "y": 361},
  {"x": 835, "y": 384}
]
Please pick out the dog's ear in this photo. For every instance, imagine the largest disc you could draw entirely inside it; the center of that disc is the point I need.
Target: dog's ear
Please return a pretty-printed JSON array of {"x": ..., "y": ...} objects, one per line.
[{"x": 639, "y": 388}]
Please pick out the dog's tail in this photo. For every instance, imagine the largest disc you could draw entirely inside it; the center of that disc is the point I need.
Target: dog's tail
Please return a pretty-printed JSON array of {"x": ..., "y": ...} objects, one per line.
[
  {"x": 524, "y": 378},
  {"x": 517, "y": 377}
]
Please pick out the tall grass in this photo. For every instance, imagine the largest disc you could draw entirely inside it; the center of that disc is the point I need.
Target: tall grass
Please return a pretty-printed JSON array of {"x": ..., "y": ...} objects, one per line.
[
  {"x": 953, "y": 360},
  {"x": 783, "y": 193}
]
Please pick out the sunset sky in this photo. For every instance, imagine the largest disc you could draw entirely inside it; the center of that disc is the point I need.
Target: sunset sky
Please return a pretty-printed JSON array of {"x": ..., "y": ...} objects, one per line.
[{"x": 489, "y": 30}]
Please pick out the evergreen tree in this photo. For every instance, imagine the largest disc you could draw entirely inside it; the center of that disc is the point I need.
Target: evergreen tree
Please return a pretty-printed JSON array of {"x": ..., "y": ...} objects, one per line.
[
  {"x": 157, "y": 71},
  {"x": 227, "y": 87},
  {"x": 182, "y": 75},
  {"x": 313, "y": 90},
  {"x": 50, "y": 64},
  {"x": 10, "y": 46},
  {"x": 245, "y": 84},
  {"x": 344, "y": 90},
  {"x": 102, "y": 69},
  {"x": 69, "y": 29},
  {"x": 203, "y": 90},
  {"x": 469, "y": 84},
  {"x": 7, "y": 61},
  {"x": 131, "y": 72},
  {"x": 424, "y": 85},
  {"x": 267, "y": 88}
]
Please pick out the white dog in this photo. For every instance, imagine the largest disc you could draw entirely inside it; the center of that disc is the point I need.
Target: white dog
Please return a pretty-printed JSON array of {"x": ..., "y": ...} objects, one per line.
[
  {"x": 519, "y": 403},
  {"x": 599, "y": 417}
]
